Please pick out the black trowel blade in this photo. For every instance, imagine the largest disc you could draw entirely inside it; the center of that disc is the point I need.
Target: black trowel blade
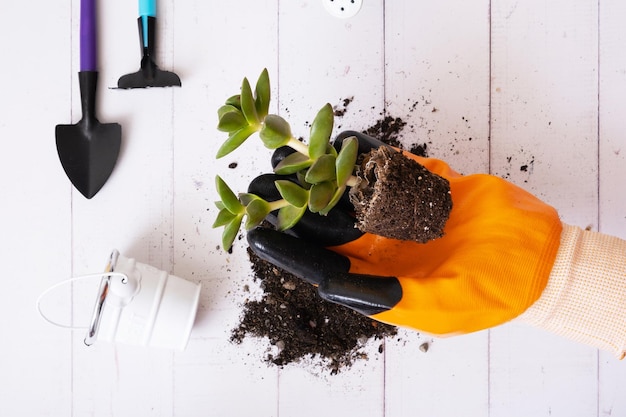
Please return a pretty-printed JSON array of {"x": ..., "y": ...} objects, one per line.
[{"x": 88, "y": 153}]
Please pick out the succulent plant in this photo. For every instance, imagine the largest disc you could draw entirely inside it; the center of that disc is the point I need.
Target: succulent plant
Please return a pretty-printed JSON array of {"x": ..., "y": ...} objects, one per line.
[{"x": 322, "y": 173}]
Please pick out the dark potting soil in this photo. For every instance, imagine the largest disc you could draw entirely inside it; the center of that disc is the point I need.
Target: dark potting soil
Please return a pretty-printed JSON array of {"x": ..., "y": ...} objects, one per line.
[
  {"x": 297, "y": 321},
  {"x": 389, "y": 130},
  {"x": 302, "y": 325},
  {"x": 398, "y": 198}
]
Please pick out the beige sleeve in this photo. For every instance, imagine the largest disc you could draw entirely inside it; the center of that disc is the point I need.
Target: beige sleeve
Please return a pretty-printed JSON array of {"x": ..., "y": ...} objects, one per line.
[{"x": 585, "y": 298}]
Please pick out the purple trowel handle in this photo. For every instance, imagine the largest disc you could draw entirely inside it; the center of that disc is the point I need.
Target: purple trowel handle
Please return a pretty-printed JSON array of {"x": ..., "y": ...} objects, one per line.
[{"x": 88, "y": 35}]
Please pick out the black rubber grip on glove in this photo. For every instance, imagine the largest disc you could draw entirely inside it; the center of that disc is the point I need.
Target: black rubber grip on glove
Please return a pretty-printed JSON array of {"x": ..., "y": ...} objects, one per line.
[
  {"x": 366, "y": 142},
  {"x": 367, "y": 294}
]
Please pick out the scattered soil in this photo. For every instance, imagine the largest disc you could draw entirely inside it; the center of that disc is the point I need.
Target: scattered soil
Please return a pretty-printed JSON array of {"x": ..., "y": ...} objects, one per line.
[
  {"x": 340, "y": 110},
  {"x": 298, "y": 323},
  {"x": 389, "y": 130},
  {"x": 301, "y": 325}
]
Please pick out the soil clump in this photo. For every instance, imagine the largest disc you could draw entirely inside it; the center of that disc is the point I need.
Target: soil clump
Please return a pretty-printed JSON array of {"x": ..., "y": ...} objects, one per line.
[{"x": 398, "y": 198}]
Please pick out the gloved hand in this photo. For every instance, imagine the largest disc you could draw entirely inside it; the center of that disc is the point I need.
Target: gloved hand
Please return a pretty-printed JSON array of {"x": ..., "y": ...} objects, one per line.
[
  {"x": 494, "y": 261},
  {"x": 491, "y": 264}
]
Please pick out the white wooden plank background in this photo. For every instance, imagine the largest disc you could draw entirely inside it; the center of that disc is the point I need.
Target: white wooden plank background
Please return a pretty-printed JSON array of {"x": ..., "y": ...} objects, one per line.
[{"x": 538, "y": 83}]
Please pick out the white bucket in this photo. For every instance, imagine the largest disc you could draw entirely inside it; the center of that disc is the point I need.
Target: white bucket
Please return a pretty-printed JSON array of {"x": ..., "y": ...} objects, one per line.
[{"x": 138, "y": 304}]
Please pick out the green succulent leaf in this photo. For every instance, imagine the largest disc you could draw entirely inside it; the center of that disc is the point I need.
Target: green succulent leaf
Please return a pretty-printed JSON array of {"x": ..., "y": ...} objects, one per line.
[
  {"x": 292, "y": 193},
  {"x": 321, "y": 129},
  {"x": 231, "y": 119},
  {"x": 275, "y": 132},
  {"x": 256, "y": 211},
  {"x": 229, "y": 199},
  {"x": 330, "y": 150},
  {"x": 293, "y": 163},
  {"x": 262, "y": 91},
  {"x": 225, "y": 109},
  {"x": 333, "y": 201},
  {"x": 248, "y": 106},
  {"x": 230, "y": 231},
  {"x": 234, "y": 101},
  {"x": 247, "y": 198},
  {"x": 321, "y": 195},
  {"x": 235, "y": 140},
  {"x": 300, "y": 178},
  {"x": 346, "y": 160},
  {"x": 288, "y": 216},
  {"x": 223, "y": 217},
  {"x": 322, "y": 170}
]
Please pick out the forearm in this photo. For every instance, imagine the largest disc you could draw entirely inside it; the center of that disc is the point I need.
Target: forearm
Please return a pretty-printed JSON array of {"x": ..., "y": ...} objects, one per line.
[{"x": 585, "y": 298}]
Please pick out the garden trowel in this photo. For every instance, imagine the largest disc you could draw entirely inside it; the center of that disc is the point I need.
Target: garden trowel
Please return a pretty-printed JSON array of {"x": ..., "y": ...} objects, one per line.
[{"x": 88, "y": 150}]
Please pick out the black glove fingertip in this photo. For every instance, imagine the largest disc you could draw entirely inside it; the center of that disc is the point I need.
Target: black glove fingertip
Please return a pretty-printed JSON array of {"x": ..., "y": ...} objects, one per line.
[
  {"x": 280, "y": 154},
  {"x": 366, "y": 142},
  {"x": 367, "y": 294},
  {"x": 302, "y": 258}
]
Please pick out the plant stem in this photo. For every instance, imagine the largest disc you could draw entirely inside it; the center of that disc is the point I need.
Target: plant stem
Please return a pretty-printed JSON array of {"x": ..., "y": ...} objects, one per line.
[
  {"x": 278, "y": 204},
  {"x": 298, "y": 146}
]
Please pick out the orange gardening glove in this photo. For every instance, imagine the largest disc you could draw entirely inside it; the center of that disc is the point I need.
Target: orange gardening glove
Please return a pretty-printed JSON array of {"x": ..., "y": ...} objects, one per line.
[{"x": 492, "y": 263}]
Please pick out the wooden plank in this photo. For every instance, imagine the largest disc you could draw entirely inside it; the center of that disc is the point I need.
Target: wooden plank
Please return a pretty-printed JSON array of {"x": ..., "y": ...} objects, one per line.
[
  {"x": 35, "y": 357},
  {"x": 121, "y": 380},
  {"x": 612, "y": 124},
  {"x": 544, "y": 102},
  {"x": 436, "y": 376},
  {"x": 544, "y": 138},
  {"x": 216, "y": 46},
  {"x": 213, "y": 378},
  {"x": 202, "y": 48},
  {"x": 535, "y": 373},
  {"x": 309, "y": 389},
  {"x": 612, "y": 375},
  {"x": 612, "y": 171},
  {"x": 437, "y": 80},
  {"x": 330, "y": 65},
  {"x": 323, "y": 59}
]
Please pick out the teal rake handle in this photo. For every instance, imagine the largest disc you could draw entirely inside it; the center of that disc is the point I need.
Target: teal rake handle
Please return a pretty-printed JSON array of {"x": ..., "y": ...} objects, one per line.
[{"x": 147, "y": 8}]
